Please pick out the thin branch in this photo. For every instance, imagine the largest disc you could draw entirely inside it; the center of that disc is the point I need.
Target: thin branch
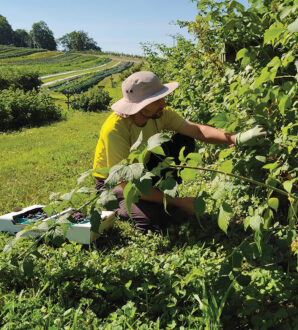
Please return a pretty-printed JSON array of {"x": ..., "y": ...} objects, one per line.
[
  {"x": 237, "y": 177},
  {"x": 280, "y": 77}
]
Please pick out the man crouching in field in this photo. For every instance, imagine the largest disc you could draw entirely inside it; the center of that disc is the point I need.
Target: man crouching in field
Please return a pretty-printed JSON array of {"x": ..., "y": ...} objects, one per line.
[{"x": 143, "y": 109}]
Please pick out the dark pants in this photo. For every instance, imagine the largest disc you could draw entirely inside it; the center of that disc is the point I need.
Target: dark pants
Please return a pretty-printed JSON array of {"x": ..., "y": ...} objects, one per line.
[{"x": 148, "y": 215}]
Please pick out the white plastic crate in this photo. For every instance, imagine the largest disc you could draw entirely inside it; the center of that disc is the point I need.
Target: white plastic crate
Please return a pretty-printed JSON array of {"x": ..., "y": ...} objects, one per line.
[{"x": 80, "y": 233}]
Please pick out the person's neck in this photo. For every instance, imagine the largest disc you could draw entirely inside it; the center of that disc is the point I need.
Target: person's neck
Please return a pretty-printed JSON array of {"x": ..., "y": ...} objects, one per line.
[{"x": 139, "y": 119}]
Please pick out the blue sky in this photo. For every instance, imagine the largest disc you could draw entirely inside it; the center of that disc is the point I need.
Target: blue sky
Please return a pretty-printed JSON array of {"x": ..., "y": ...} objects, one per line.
[{"x": 116, "y": 25}]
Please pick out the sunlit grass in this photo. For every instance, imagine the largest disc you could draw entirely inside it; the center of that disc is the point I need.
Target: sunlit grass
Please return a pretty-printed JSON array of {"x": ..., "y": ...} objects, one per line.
[{"x": 38, "y": 161}]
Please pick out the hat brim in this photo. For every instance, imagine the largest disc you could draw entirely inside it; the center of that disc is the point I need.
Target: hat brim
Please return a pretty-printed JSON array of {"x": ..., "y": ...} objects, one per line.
[{"x": 125, "y": 107}]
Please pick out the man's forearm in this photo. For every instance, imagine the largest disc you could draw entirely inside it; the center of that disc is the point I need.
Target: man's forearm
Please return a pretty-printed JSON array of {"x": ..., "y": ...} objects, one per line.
[
  {"x": 213, "y": 135},
  {"x": 206, "y": 133}
]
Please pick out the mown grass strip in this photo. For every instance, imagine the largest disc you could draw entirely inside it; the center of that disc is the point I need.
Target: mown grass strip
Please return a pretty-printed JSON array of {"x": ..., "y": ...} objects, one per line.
[
  {"x": 94, "y": 79},
  {"x": 76, "y": 73}
]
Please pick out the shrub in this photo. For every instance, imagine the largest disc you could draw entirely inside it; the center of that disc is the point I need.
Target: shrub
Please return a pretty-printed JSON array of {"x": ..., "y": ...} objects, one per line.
[
  {"x": 135, "y": 68},
  {"x": 94, "y": 100},
  {"x": 19, "y": 79},
  {"x": 25, "y": 109}
]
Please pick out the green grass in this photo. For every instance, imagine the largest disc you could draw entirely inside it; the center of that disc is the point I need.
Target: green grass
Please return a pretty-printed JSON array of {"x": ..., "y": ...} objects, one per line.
[
  {"x": 38, "y": 161},
  {"x": 126, "y": 279}
]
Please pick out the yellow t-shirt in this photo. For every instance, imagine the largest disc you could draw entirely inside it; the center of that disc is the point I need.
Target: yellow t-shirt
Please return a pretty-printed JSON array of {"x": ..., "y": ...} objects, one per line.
[{"x": 118, "y": 134}]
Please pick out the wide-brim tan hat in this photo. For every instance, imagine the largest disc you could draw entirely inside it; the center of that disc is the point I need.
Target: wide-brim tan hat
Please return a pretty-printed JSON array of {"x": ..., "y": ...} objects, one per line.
[{"x": 139, "y": 90}]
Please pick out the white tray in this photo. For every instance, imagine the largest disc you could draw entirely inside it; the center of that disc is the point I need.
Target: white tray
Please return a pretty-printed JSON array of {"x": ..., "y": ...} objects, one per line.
[{"x": 80, "y": 233}]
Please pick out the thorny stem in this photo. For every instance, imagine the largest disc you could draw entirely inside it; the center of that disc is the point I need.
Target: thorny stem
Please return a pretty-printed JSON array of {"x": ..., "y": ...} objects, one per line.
[
  {"x": 280, "y": 77},
  {"x": 237, "y": 177}
]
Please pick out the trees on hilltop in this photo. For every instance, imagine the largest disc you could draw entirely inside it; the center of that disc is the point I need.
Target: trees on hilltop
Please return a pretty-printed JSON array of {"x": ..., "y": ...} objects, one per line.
[
  {"x": 6, "y": 32},
  {"x": 78, "y": 40},
  {"x": 42, "y": 36},
  {"x": 21, "y": 38}
]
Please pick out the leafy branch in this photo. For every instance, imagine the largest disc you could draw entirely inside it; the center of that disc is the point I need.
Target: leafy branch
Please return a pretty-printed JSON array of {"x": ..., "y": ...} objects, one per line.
[{"x": 237, "y": 177}]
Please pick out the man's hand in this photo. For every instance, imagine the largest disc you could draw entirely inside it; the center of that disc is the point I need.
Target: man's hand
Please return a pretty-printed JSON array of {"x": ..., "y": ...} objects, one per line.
[{"x": 251, "y": 137}]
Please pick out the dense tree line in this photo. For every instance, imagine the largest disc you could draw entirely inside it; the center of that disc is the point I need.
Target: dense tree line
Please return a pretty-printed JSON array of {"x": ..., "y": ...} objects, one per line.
[{"x": 40, "y": 36}]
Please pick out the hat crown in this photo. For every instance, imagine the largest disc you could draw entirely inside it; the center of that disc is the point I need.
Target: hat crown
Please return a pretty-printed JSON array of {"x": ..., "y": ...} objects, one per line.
[{"x": 141, "y": 85}]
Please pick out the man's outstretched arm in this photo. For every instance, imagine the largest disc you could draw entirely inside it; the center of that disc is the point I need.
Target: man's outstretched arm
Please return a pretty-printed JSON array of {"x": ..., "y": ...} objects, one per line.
[
  {"x": 210, "y": 134},
  {"x": 205, "y": 133}
]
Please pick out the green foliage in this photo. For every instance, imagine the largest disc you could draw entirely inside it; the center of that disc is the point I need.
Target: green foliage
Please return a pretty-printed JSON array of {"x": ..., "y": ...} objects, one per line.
[
  {"x": 257, "y": 85},
  {"x": 19, "y": 79},
  {"x": 6, "y": 32},
  {"x": 78, "y": 41},
  {"x": 42, "y": 37},
  {"x": 135, "y": 68},
  {"x": 93, "y": 100},
  {"x": 235, "y": 264},
  {"x": 26, "y": 109},
  {"x": 10, "y": 51}
]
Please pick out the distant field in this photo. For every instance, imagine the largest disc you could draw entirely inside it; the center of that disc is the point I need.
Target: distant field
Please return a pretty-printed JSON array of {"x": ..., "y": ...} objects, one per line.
[{"x": 51, "y": 62}]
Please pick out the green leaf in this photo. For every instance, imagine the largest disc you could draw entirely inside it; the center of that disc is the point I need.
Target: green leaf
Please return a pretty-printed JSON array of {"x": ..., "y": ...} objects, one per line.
[
  {"x": 83, "y": 177},
  {"x": 86, "y": 190},
  {"x": 241, "y": 53},
  {"x": 284, "y": 103},
  {"x": 258, "y": 240},
  {"x": 28, "y": 267},
  {"x": 273, "y": 32},
  {"x": 131, "y": 195},
  {"x": 220, "y": 120},
  {"x": 145, "y": 184},
  {"x": 126, "y": 173},
  {"x": 261, "y": 159},
  {"x": 237, "y": 259},
  {"x": 293, "y": 27},
  {"x": 225, "y": 153},
  {"x": 156, "y": 140},
  {"x": 265, "y": 76},
  {"x": 227, "y": 166},
  {"x": 136, "y": 145},
  {"x": 48, "y": 209},
  {"x": 196, "y": 158},
  {"x": 95, "y": 218},
  {"x": 225, "y": 214},
  {"x": 285, "y": 12},
  {"x": 108, "y": 200},
  {"x": 56, "y": 235},
  {"x": 199, "y": 206},
  {"x": 288, "y": 186},
  {"x": 188, "y": 174},
  {"x": 268, "y": 215},
  {"x": 158, "y": 150},
  {"x": 273, "y": 203},
  {"x": 271, "y": 166},
  {"x": 169, "y": 187},
  {"x": 68, "y": 195},
  {"x": 255, "y": 222}
]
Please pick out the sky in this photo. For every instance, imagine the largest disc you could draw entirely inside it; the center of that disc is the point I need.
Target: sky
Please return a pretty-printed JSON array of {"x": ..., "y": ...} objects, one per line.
[{"x": 116, "y": 25}]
